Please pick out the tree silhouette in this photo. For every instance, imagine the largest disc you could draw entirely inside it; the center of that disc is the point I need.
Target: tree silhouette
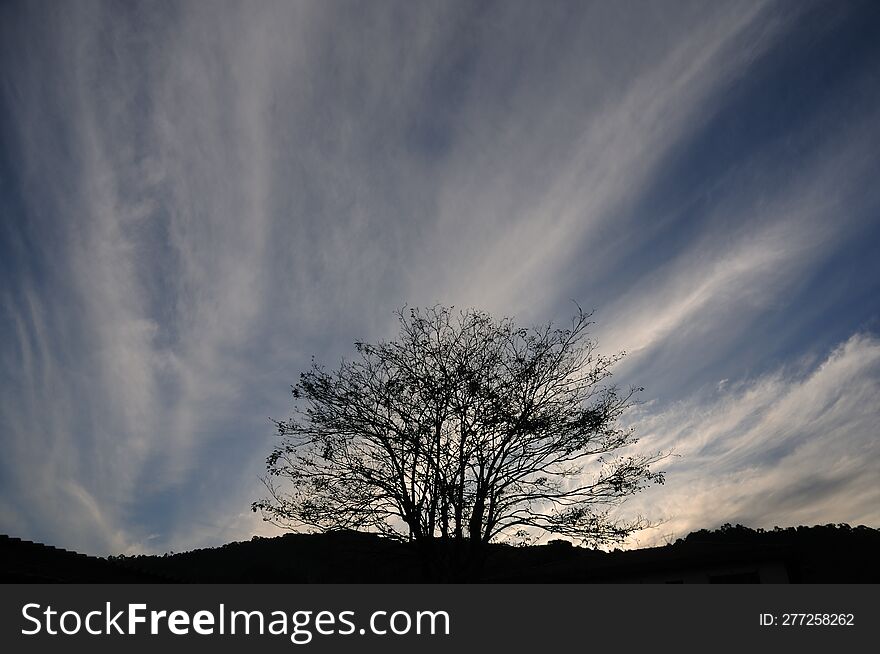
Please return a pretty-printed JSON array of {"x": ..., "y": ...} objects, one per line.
[{"x": 463, "y": 430}]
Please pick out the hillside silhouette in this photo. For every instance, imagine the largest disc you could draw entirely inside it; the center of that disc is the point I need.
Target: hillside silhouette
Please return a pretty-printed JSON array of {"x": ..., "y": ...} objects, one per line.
[{"x": 731, "y": 554}]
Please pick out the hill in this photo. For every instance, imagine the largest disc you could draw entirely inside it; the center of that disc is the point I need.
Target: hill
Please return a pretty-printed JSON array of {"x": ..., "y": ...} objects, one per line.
[{"x": 731, "y": 554}]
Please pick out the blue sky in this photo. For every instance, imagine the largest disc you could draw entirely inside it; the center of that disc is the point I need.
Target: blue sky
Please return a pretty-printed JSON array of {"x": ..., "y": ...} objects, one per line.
[{"x": 197, "y": 197}]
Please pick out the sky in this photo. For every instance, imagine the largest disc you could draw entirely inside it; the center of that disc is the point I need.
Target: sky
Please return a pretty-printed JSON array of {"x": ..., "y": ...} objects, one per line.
[{"x": 195, "y": 198}]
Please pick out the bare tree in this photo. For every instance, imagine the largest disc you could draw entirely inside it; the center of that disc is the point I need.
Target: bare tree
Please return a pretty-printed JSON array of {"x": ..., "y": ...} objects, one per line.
[{"x": 461, "y": 431}]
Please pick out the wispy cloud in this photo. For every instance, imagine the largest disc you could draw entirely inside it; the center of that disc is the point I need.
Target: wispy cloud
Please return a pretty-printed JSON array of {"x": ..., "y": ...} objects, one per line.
[
  {"x": 784, "y": 225},
  {"x": 792, "y": 447},
  {"x": 524, "y": 198}
]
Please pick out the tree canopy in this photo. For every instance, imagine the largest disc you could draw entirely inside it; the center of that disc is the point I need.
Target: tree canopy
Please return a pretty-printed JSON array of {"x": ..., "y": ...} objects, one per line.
[{"x": 462, "y": 430}]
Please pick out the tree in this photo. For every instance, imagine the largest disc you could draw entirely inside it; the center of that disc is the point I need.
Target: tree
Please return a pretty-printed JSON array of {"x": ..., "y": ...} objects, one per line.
[{"x": 463, "y": 430}]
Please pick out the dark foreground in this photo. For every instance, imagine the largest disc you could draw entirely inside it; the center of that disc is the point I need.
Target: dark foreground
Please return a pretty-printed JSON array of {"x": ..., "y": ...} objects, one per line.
[{"x": 821, "y": 554}]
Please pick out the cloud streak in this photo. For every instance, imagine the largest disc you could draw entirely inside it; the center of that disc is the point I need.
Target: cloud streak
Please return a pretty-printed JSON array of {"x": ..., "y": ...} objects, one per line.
[{"x": 792, "y": 447}]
